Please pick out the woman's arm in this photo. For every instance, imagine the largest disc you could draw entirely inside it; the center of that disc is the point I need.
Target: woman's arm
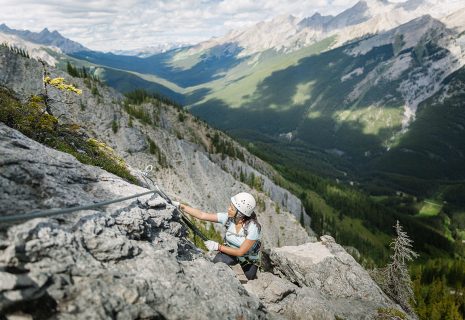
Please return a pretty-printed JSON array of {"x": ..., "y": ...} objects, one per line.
[
  {"x": 199, "y": 214},
  {"x": 237, "y": 252}
]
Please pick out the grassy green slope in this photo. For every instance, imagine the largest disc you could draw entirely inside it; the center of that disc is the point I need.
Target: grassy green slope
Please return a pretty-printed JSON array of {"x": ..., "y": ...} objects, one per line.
[{"x": 309, "y": 97}]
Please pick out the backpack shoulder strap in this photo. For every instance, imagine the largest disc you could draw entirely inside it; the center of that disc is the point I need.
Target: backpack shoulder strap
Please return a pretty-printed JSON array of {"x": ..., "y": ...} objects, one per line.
[{"x": 228, "y": 223}]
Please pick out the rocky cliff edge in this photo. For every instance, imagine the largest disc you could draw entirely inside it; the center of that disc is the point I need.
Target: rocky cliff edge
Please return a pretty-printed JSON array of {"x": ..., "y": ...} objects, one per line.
[{"x": 131, "y": 260}]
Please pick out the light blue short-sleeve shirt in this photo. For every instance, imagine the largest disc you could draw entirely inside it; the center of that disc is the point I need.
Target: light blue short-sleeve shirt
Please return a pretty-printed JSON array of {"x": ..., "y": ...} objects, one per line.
[{"x": 235, "y": 239}]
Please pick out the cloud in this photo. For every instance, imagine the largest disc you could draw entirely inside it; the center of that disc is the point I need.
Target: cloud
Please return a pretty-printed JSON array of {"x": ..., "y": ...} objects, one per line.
[{"x": 116, "y": 24}]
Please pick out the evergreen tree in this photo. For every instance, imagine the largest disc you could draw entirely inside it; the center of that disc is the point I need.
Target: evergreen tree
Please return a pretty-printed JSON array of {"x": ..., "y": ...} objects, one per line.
[{"x": 395, "y": 279}]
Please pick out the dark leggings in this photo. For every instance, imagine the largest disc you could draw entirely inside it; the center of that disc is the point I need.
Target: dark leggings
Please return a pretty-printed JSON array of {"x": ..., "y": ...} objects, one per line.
[{"x": 250, "y": 270}]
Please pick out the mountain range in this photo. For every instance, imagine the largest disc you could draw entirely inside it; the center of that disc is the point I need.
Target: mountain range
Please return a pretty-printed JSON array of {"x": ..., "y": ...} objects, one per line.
[
  {"x": 45, "y": 37},
  {"x": 273, "y": 84},
  {"x": 369, "y": 97},
  {"x": 278, "y": 78},
  {"x": 360, "y": 115}
]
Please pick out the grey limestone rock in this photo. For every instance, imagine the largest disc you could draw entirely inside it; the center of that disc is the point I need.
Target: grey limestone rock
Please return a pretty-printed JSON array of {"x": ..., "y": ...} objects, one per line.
[
  {"x": 318, "y": 280},
  {"x": 128, "y": 260}
]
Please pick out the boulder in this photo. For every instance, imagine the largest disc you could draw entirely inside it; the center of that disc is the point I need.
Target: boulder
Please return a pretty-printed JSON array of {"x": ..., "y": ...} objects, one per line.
[{"x": 318, "y": 280}]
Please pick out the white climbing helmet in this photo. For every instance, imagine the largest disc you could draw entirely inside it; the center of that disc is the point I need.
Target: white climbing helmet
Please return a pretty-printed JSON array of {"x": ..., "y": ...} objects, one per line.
[{"x": 244, "y": 202}]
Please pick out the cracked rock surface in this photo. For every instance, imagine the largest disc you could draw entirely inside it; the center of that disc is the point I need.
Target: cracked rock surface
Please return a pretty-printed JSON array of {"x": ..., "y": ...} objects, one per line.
[
  {"x": 128, "y": 260},
  {"x": 131, "y": 259}
]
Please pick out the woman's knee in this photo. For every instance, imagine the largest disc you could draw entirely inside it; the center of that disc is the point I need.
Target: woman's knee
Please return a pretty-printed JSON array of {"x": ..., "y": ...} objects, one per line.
[
  {"x": 222, "y": 257},
  {"x": 250, "y": 271}
]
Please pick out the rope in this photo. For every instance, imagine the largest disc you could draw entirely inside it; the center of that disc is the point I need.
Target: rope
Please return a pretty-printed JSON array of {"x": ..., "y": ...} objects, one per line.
[
  {"x": 184, "y": 219},
  {"x": 193, "y": 227},
  {"x": 54, "y": 212}
]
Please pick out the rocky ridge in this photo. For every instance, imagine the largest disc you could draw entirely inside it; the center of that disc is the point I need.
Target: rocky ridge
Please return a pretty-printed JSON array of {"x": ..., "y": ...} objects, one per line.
[
  {"x": 131, "y": 259},
  {"x": 45, "y": 37},
  {"x": 289, "y": 33},
  {"x": 321, "y": 275}
]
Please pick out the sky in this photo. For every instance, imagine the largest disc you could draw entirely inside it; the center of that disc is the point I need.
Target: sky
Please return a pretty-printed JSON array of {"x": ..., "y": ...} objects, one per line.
[{"x": 109, "y": 25}]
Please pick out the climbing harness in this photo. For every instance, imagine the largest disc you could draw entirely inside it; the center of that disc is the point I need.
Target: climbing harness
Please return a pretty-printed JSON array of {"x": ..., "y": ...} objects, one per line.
[{"x": 253, "y": 256}]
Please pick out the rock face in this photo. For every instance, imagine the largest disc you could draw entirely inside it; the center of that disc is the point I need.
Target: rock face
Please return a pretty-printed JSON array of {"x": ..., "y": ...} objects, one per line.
[
  {"x": 131, "y": 260},
  {"x": 126, "y": 261},
  {"x": 318, "y": 280}
]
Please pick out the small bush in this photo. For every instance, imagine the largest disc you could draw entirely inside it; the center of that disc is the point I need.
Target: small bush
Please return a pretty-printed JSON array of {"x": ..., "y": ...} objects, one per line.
[
  {"x": 114, "y": 126},
  {"x": 32, "y": 120},
  {"x": 261, "y": 204},
  {"x": 153, "y": 149},
  {"x": 181, "y": 117},
  {"x": 95, "y": 91},
  {"x": 209, "y": 232},
  {"x": 138, "y": 112},
  {"x": 390, "y": 314}
]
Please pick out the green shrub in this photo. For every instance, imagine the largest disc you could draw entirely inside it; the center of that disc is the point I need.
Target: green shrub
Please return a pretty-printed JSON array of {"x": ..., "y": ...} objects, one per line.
[
  {"x": 181, "y": 117},
  {"x": 114, "y": 126},
  {"x": 153, "y": 149},
  {"x": 138, "y": 112},
  {"x": 209, "y": 231},
  {"x": 390, "y": 314},
  {"x": 95, "y": 91},
  {"x": 32, "y": 120}
]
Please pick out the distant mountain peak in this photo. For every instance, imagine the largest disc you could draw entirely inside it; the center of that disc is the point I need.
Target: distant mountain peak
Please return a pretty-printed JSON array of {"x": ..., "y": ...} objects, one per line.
[
  {"x": 316, "y": 21},
  {"x": 283, "y": 19},
  {"x": 46, "y": 37}
]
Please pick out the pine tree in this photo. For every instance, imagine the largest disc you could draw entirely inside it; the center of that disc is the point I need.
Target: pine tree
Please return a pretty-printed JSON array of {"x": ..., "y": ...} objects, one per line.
[{"x": 395, "y": 279}]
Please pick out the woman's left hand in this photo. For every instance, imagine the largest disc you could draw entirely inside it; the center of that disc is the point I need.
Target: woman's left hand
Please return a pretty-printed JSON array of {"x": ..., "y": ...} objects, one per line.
[{"x": 211, "y": 245}]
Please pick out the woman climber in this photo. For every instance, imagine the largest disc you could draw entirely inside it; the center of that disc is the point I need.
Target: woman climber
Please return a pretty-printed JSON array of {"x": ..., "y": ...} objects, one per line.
[{"x": 242, "y": 239}]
